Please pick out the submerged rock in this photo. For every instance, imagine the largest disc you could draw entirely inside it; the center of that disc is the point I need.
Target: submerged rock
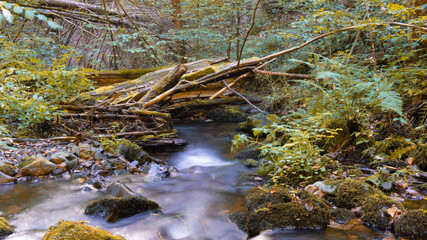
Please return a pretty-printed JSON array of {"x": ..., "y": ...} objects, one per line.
[
  {"x": 411, "y": 224},
  {"x": 70, "y": 230},
  {"x": 39, "y": 167},
  {"x": 5, "y": 228},
  {"x": 6, "y": 178},
  {"x": 115, "y": 208}
]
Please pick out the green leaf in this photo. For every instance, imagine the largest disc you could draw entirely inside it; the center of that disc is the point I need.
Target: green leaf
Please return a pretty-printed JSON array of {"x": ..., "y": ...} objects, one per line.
[
  {"x": 41, "y": 17},
  {"x": 29, "y": 14},
  {"x": 53, "y": 25},
  {"x": 18, "y": 9}
]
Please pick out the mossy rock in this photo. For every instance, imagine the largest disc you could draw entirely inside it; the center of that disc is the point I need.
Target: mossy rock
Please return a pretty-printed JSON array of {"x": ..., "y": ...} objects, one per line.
[
  {"x": 70, "y": 230},
  {"x": 290, "y": 215},
  {"x": 257, "y": 198},
  {"x": 132, "y": 152},
  {"x": 338, "y": 125},
  {"x": 355, "y": 173},
  {"x": 5, "y": 228},
  {"x": 26, "y": 161},
  {"x": 248, "y": 152},
  {"x": 252, "y": 122},
  {"x": 386, "y": 162},
  {"x": 420, "y": 157},
  {"x": 227, "y": 114},
  {"x": 240, "y": 218},
  {"x": 351, "y": 192},
  {"x": 115, "y": 208},
  {"x": 411, "y": 224},
  {"x": 374, "y": 208},
  {"x": 342, "y": 215}
]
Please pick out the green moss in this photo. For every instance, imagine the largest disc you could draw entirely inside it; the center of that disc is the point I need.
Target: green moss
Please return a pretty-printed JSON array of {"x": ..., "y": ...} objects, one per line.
[
  {"x": 411, "y": 224},
  {"x": 115, "y": 208},
  {"x": 257, "y": 198},
  {"x": 420, "y": 157},
  {"x": 342, "y": 215},
  {"x": 240, "y": 218},
  {"x": 355, "y": 172},
  {"x": 198, "y": 74},
  {"x": 26, "y": 161},
  {"x": 5, "y": 228},
  {"x": 374, "y": 209},
  {"x": 342, "y": 130},
  {"x": 227, "y": 114},
  {"x": 70, "y": 230},
  {"x": 350, "y": 193},
  {"x": 290, "y": 215}
]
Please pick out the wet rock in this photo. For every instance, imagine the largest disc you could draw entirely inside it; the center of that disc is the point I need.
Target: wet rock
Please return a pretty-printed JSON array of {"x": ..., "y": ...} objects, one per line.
[
  {"x": 80, "y": 174},
  {"x": 5, "y": 228},
  {"x": 133, "y": 152},
  {"x": 73, "y": 165},
  {"x": 5, "y": 178},
  {"x": 98, "y": 155},
  {"x": 342, "y": 215},
  {"x": 87, "y": 163},
  {"x": 350, "y": 193},
  {"x": 373, "y": 212},
  {"x": 240, "y": 218},
  {"x": 105, "y": 165},
  {"x": 250, "y": 163},
  {"x": 228, "y": 114},
  {"x": 97, "y": 184},
  {"x": 39, "y": 167},
  {"x": 86, "y": 151},
  {"x": 249, "y": 152},
  {"x": 411, "y": 224},
  {"x": 249, "y": 179},
  {"x": 115, "y": 208},
  {"x": 310, "y": 213},
  {"x": 60, "y": 157},
  {"x": 257, "y": 198},
  {"x": 117, "y": 189},
  {"x": 70, "y": 230},
  {"x": 8, "y": 170}
]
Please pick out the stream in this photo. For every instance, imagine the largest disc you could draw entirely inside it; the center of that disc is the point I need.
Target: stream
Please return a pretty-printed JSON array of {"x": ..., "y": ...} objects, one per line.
[{"x": 195, "y": 201}]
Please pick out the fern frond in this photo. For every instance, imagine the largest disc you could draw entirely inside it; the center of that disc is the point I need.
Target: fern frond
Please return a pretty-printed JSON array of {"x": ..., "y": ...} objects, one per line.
[{"x": 391, "y": 100}]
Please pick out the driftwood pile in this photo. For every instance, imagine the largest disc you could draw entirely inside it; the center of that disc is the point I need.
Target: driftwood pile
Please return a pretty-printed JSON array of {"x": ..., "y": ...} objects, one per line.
[{"x": 141, "y": 109}]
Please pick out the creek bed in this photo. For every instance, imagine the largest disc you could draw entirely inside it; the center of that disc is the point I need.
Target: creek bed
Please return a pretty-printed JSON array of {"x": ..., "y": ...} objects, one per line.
[{"x": 195, "y": 201}]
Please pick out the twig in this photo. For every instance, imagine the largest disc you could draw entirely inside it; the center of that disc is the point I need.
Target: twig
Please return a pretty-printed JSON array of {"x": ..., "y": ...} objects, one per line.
[{"x": 240, "y": 95}]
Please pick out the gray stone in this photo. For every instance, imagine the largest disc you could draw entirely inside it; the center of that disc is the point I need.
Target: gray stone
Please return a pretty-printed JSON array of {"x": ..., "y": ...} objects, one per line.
[
  {"x": 82, "y": 175},
  {"x": 98, "y": 155},
  {"x": 60, "y": 157},
  {"x": 117, "y": 189},
  {"x": 115, "y": 208},
  {"x": 73, "y": 165},
  {"x": 328, "y": 189},
  {"x": 39, "y": 167},
  {"x": 6, "y": 178},
  {"x": 105, "y": 165}
]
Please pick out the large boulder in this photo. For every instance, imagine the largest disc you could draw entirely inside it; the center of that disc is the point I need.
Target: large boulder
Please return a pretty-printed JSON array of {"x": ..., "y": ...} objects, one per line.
[
  {"x": 39, "y": 167},
  {"x": 374, "y": 210},
  {"x": 411, "y": 224},
  {"x": 70, "y": 230},
  {"x": 277, "y": 209},
  {"x": 6, "y": 178},
  {"x": 115, "y": 208},
  {"x": 5, "y": 228},
  {"x": 350, "y": 193}
]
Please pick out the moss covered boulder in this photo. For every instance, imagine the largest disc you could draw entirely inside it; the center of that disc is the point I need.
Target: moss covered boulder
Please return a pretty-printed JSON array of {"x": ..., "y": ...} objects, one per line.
[
  {"x": 70, "y": 230},
  {"x": 277, "y": 209},
  {"x": 374, "y": 210},
  {"x": 350, "y": 193},
  {"x": 257, "y": 198},
  {"x": 342, "y": 215},
  {"x": 411, "y": 224},
  {"x": 115, "y": 208},
  {"x": 5, "y": 228}
]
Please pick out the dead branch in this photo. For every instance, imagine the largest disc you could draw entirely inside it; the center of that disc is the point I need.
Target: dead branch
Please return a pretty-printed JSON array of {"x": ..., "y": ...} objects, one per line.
[
  {"x": 241, "y": 96},
  {"x": 283, "y": 74}
]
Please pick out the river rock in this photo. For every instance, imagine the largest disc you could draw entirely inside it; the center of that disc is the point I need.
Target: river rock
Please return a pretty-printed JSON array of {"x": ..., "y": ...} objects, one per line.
[
  {"x": 8, "y": 170},
  {"x": 70, "y": 230},
  {"x": 5, "y": 228},
  {"x": 117, "y": 189},
  {"x": 39, "y": 167},
  {"x": 133, "y": 152},
  {"x": 115, "y": 208},
  {"x": 73, "y": 164},
  {"x": 326, "y": 187},
  {"x": 5, "y": 178},
  {"x": 86, "y": 151},
  {"x": 60, "y": 157}
]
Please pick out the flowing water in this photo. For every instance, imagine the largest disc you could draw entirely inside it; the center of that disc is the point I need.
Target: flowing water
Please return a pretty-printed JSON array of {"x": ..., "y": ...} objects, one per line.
[{"x": 195, "y": 201}]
